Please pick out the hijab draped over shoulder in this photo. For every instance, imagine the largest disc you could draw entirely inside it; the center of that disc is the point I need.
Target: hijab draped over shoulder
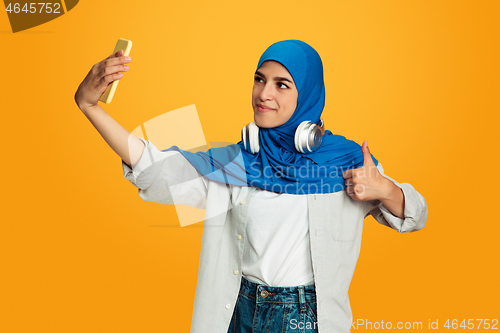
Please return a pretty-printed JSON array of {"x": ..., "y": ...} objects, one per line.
[{"x": 278, "y": 166}]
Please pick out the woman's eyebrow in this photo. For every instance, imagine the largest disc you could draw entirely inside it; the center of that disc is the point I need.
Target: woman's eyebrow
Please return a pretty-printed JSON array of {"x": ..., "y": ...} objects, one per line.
[{"x": 276, "y": 78}]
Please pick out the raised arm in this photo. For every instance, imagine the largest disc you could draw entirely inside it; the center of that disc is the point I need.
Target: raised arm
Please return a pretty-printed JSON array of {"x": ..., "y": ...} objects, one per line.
[
  {"x": 162, "y": 177},
  {"x": 126, "y": 145}
]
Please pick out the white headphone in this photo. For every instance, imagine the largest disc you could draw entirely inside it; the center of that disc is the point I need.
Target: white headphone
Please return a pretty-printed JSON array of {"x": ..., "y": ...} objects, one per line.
[{"x": 308, "y": 137}]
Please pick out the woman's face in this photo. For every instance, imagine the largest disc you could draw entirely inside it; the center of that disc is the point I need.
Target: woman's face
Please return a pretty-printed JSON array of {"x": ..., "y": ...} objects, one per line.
[{"x": 274, "y": 95}]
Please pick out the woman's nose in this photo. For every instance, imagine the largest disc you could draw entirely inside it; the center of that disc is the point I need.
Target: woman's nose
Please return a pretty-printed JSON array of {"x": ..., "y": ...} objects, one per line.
[{"x": 266, "y": 92}]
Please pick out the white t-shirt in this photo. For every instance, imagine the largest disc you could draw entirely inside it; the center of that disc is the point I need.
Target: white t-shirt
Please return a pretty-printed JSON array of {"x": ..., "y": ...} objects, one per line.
[
  {"x": 277, "y": 251},
  {"x": 335, "y": 228}
]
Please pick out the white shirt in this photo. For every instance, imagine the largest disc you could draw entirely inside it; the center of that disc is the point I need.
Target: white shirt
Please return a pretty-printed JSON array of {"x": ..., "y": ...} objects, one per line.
[
  {"x": 277, "y": 251},
  {"x": 335, "y": 229}
]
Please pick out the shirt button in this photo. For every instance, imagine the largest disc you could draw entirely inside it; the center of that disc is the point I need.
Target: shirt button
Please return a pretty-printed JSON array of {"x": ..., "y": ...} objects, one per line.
[
  {"x": 228, "y": 306},
  {"x": 242, "y": 202},
  {"x": 239, "y": 237},
  {"x": 235, "y": 272}
]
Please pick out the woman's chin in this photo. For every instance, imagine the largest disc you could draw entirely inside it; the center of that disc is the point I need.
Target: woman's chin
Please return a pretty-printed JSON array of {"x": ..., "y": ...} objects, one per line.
[
  {"x": 261, "y": 123},
  {"x": 266, "y": 123}
]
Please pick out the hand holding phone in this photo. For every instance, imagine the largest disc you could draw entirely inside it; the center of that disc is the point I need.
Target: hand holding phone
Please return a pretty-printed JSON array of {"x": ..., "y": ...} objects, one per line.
[
  {"x": 126, "y": 46},
  {"x": 98, "y": 84}
]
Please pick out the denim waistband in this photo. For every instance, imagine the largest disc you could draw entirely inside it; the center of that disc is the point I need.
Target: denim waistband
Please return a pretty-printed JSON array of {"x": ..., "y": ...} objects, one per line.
[{"x": 265, "y": 293}]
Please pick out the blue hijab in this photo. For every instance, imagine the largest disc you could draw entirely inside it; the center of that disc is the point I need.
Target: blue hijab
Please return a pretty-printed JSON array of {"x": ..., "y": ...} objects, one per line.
[{"x": 278, "y": 166}]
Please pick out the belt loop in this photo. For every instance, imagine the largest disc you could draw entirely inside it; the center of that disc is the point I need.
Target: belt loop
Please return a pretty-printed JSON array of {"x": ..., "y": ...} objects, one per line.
[{"x": 302, "y": 299}]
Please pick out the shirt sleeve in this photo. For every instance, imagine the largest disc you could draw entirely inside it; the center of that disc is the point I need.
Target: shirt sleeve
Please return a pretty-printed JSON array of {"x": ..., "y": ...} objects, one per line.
[
  {"x": 167, "y": 178},
  {"x": 415, "y": 210}
]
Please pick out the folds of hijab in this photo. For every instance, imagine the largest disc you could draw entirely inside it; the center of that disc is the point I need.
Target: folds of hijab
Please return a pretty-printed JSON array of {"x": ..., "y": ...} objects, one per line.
[{"x": 278, "y": 166}]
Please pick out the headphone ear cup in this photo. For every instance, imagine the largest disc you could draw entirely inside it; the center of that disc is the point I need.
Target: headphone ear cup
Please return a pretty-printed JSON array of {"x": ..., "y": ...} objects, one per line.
[
  {"x": 299, "y": 137},
  {"x": 244, "y": 137},
  {"x": 250, "y": 138},
  {"x": 308, "y": 137},
  {"x": 253, "y": 137}
]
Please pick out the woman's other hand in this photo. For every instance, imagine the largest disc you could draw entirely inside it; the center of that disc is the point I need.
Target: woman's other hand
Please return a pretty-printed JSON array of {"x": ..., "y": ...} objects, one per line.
[
  {"x": 366, "y": 183},
  {"x": 97, "y": 80}
]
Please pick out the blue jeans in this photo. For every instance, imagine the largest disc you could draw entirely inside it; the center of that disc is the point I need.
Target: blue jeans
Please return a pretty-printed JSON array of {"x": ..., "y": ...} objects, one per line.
[{"x": 261, "y": 308}]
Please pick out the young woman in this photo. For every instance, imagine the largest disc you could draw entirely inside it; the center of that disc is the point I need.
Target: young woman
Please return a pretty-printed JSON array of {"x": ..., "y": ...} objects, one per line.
[{"x": 284, "y": 207}]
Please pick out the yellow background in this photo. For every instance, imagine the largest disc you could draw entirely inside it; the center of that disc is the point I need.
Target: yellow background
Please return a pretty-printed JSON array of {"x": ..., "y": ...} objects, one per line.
[{"x": 81, "y": 252}]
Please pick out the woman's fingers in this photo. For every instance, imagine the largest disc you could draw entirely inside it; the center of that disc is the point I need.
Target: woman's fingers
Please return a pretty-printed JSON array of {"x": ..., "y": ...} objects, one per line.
[
  {"x": 108, "y": 79},
  {"x": 356, "y": 192},
  {"x": 113, "y": 65},
  {"x": 111, "y": 69},
  {"x": 115, "y": 69},
  {"x": 112, "y": 73},
  {"x": 112, "y": 77},
  {"x": 115, "y": 61},
  {"x": 101, "y": 74},
  {"x": 116, "y": 54}
]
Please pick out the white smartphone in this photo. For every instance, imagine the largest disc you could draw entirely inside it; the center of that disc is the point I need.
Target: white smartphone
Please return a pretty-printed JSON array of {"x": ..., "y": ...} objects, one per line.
[{"x": 125, "y": 45}]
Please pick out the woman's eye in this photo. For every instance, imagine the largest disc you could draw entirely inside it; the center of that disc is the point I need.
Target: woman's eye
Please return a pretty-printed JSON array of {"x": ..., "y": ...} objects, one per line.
[{"x": 280, "y": 84}]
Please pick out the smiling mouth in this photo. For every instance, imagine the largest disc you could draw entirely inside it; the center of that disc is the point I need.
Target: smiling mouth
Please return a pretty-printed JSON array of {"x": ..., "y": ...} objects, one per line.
[{"x": 262, "y": 109}]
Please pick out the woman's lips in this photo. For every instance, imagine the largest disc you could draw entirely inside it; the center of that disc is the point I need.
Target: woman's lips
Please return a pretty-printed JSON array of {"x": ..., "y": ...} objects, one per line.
[{"x": 261, "y": 109}]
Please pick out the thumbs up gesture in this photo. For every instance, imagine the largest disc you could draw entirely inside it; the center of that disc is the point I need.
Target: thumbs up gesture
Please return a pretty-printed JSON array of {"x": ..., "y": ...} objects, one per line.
[{"x": 366, "y": 183}]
